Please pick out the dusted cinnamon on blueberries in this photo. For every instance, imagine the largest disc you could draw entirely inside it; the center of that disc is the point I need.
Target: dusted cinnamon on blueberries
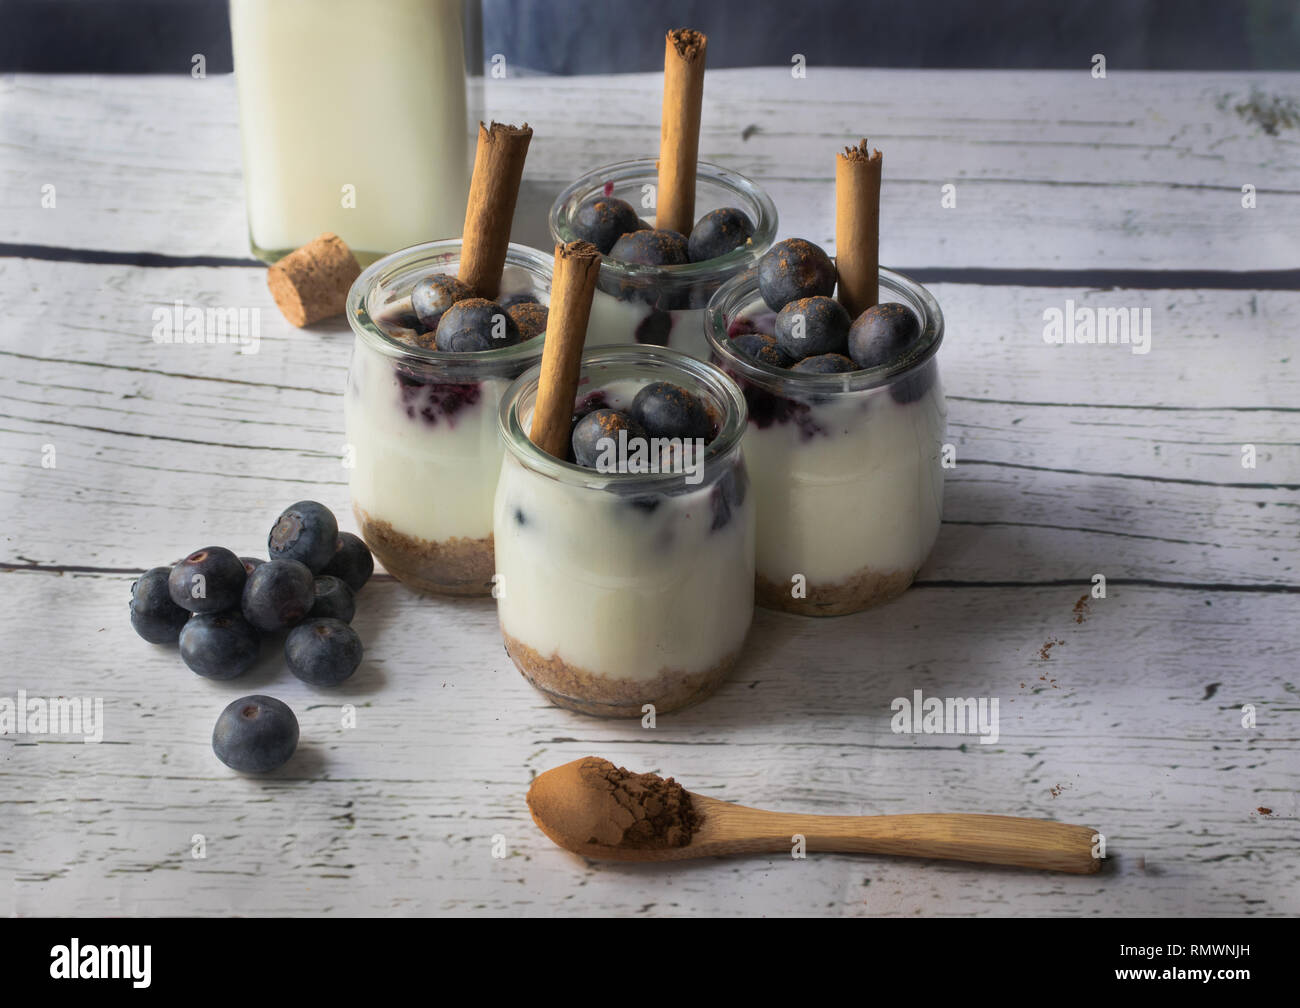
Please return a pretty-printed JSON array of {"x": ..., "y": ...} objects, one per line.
[
  {"x": 493, "y": 191},
  {"x": 311, "y": 283},
  {"x": 679, "y": 131},
  {"x": 573, "y": 285},
  {"x": 857, "y": 227}
]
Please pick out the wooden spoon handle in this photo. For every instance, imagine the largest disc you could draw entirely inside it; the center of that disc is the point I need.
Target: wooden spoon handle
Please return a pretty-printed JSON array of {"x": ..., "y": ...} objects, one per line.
[{"x": 988, "y": 839}]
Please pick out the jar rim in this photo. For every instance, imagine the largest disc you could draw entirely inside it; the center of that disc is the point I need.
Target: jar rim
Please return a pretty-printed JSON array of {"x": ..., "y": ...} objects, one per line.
[
  {"x": 765, "y": 224},
  {"x": 734, "y": 422},
  {"x": 367, "y": 329},
  {"x": 742, "y": 290}
]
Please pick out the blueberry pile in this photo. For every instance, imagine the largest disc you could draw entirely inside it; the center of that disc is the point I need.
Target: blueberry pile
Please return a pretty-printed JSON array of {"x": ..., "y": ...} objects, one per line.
[
  {"x": 219, "y": 608},
  {"x": 658, "y": 410},
  {"x": 611, "y": 224},
  {"x": 811, "y": 332},
  {"x": 445, "y": 314}
]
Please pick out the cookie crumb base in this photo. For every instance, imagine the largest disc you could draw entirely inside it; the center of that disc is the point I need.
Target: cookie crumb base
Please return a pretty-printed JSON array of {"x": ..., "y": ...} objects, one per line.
[
  {"x": 863, "y": 590},
  {"x": 456, "y": 566},
  {"x": 576, "y": 689}
]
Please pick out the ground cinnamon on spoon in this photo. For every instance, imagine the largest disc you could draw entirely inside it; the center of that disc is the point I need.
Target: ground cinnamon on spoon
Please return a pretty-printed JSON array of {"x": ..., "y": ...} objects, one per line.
[{"x": 592, "y": 801}]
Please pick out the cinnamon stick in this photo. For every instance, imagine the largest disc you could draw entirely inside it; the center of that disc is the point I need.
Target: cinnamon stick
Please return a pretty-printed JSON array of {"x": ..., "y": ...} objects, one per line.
[
  {"x": 857, "y": 227},
  {"x": 493, "y": 190},
  {"x": 679, "y": 129},
  {"x": 573, "y": 284}
]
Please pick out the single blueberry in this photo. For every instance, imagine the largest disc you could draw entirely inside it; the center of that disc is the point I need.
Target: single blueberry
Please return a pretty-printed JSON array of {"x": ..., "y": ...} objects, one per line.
[
  {"x": 719, "y": 232},
  {"x": 882, "y": 334},
  {"x": 208, "y": 580},
  {"x": 475, "y": 325},
  {"x": 510, "y": 300},
  {"x": 306, "y": 532},
  {"x": 761, "y": 348},
  {"x": 332, "y": 598},
  {"x": 828, "y": 363},
  {"x": 916, "y": 383},
  {"x": 219, "y": 645},
  {"x": 530, "y": 318},
  {"x": 794, "y": 269},
  {"x": 602, "y": 425},
  {"x": 278, "y": 595},
  {"x": 655, "y": 328},
  {"x": 154, "y": 615},
  {"x": 250, "y": 563},
  {"x": 651, "y": 248},
  {"x": 351, "y": 562},
  {"x": 666, "y": 410},
  {"x": 323, "y": 652},
  {"x": 808, "y": 327},
  {"x": 602, "y": 220},
  {"x": 432, "y": 296},
  {"x": 255, "y": 734}
]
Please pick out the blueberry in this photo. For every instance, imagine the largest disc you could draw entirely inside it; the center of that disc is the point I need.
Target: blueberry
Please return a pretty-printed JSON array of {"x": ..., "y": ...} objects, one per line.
[
  {"x": 278, "y": 595},
  {"x": 209, "y": 580},
  {"x": 351, "y": 563},
  {"x": 596, "y": 426},
  {"x": 306, "y": 532},
  {"x": 510, "y": 300},
  {"x": 829, "y": 363},
  {"x": 323, "y": 652},
  {"x": 255, "y": 734},
  {"x": 811, "y": 326},
  {"x": 219, "y": 645},
  {"x": 719, "y": 232},
  {"x": 651, "y": 248},
  {"x": 530, "y": 318},
  {"x": 882, "y": 334},
  {"x": 474, "y": 325},
  {"x": 602, "y": 220},
  {"x": 914, "y": 384},
  {"x": 154, "y": 615},
  {"x": 333, "y": 599},
  {"x": 432, "y": 296},
  {"x": 761, "y": 348},
  {"x": 655, "y": 328},
  {"x": 794, "y": 269},
  {"x": 727, "y": 494},
  {"x": 666, "y": 410},
  {"x": 250, "y": 563}
]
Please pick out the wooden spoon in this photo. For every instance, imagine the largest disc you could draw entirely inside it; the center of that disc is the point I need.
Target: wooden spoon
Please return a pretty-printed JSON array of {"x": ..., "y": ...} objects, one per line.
[{"x": 563, "y": 806}]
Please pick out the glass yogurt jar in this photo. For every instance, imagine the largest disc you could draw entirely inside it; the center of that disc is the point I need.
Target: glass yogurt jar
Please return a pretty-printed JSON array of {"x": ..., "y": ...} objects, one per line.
[
  {"x": 664, "y": 305},
  {"x": 422, "y": 424},
  {"x": 619, "y": 589},
  {"x": 846, "y": 467}
]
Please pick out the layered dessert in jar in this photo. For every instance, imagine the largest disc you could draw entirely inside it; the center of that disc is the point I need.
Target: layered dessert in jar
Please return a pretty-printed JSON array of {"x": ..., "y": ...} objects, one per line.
[
  {"x": 430, "y": 365},
  {"x": 846, "y": 426},
  {"x": 672, "y": 229},
  {"x": 656, "y": 282},
  {"x": 626, "y": 571}
]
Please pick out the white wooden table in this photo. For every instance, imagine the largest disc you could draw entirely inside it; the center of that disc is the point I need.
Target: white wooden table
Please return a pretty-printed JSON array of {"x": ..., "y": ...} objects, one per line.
[{"x": 1071, "y": 461}]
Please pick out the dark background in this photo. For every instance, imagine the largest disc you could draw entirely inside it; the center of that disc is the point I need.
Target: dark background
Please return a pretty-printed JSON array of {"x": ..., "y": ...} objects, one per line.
[{"x": 604, "y": 36}]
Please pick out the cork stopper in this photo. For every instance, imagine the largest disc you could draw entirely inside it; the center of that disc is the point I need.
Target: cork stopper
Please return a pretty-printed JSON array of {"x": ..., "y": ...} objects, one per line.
[{"x": 311, "y": 283}]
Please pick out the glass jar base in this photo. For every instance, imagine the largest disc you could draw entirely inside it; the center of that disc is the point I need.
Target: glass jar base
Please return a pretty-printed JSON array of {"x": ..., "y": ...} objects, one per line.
[
  {"x": 864, "y": 590},
  {"x": 585, "y": 692},
  {"x": 458, "y": 566}
]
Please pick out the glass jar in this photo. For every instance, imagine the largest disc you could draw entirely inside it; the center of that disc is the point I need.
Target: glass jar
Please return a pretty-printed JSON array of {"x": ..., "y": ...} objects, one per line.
[
  {"x": 846, "y": 467},
  {"x": 352, "y": 120},
  {"x": 621, "y": 589},
  {"x": 663, "y": 305},
  {"x": 422, "y": 427}
]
